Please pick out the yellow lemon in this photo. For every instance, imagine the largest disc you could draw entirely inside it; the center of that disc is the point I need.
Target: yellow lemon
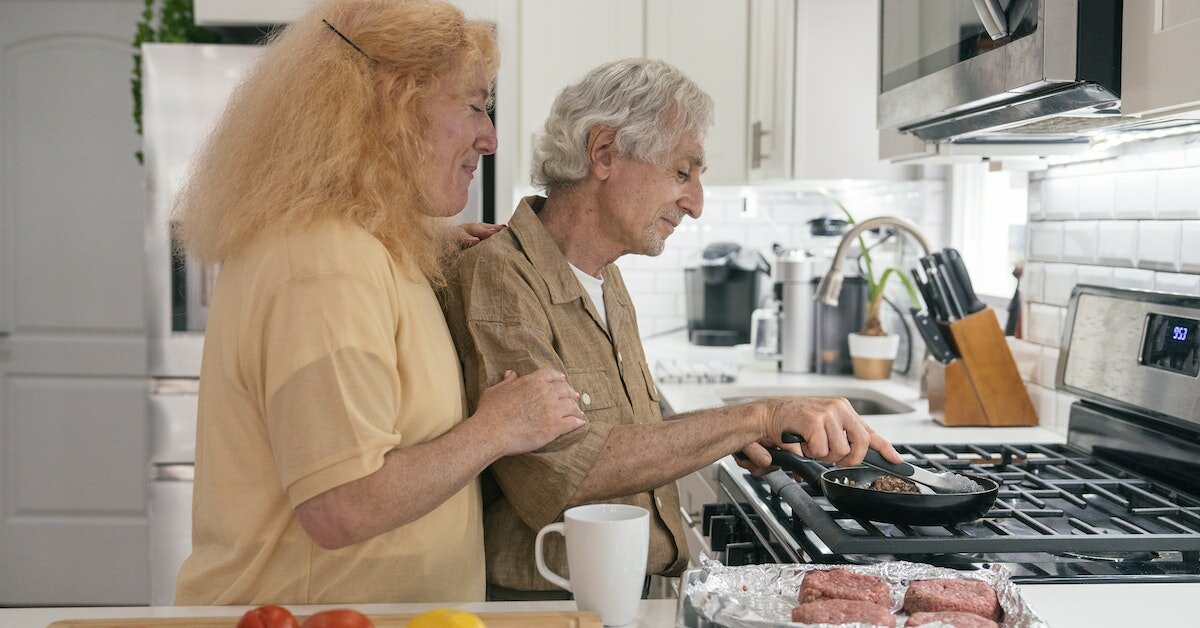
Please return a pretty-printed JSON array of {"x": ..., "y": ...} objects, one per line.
[{"x": 446, "y": 618}]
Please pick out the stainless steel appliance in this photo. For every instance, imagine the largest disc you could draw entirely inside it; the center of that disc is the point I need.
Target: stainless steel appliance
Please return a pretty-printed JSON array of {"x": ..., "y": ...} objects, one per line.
[
  {"x": 980, "y": 71},
  {"x": 1118, "y": 502},
  {"x": 722, "y": 291}
]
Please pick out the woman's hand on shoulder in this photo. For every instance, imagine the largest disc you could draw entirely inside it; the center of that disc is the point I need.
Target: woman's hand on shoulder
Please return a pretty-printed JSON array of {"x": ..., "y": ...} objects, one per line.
[
  {"x": 525, "y": 413},
  {"x": 469, "y": 234}
]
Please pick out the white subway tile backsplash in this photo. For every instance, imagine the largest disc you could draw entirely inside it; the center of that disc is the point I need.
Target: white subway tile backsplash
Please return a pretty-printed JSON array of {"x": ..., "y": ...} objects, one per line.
[
  {"x": 1097, "y": 194},
  {"x": 1036, "y": 209},
  {"x": 1094, "y": 275},
  {"x": 1116, "y": 242},
  {"x": 1045, "y": 403},
  {"x": 1158, "y": 244},
  {"x": 1044, "y": 325},
  {"x": 1060, "y": 279},
  {"x": 1134, "y": 278},
  {"x": 1034, "y": 280},
  {"x": 1189, "y": 247},
  {"x": 1026, "y": 355},
  {"x": 667, "y": 282},
  {"x": 1079, "y": 241},
  {"x": 1047, "y": 366},
  {"x": 1062, "y": 414},
  {"x": 1177, "y": 282},
  {"x": 1135, "y": 194},
  {"x": 1179, "y": 193},
  {"x": 638, "y": 280},
  {"x": 1061, "y": 197},
  {"x": 1150, "y": 159},
  {"x": 1046, "y": 241}
]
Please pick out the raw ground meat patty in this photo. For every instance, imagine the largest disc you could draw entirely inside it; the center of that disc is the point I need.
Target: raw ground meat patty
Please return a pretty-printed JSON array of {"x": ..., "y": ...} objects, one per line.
[
  {"x": 843, "y": 612},
  {"x": 952, "y": 618},
  {"x": 840, "y": 584},
  {"x": 968, "y": 596}
]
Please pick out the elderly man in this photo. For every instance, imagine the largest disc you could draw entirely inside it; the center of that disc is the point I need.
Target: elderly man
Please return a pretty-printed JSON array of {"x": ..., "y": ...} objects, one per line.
[{"x": 620, "y": 161}]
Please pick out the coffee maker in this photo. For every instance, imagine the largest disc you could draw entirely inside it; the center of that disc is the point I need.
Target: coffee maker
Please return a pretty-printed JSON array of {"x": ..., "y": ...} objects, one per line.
[
  {"x": 722, "y": 290},
  {"x": 813, "y": 337}
]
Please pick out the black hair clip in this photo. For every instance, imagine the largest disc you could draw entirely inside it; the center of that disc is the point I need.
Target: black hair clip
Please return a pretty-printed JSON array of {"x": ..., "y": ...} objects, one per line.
[{"x": 347, "y": 40}]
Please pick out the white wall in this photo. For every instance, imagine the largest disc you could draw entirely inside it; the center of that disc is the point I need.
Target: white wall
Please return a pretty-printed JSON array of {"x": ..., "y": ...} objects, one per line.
[{"x": 1128, "y": 222}]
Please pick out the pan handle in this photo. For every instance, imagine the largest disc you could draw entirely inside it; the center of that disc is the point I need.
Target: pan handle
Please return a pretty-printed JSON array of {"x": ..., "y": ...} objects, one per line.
[{"x": 809, "y": 470}]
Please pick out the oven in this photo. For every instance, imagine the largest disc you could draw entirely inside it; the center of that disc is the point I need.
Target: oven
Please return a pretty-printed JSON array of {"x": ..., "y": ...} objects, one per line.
[{"x": 1118, "y": 502}]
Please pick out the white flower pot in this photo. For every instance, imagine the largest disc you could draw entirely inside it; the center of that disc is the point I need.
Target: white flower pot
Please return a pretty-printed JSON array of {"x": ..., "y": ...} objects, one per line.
[{"x": 872, "y": 356}]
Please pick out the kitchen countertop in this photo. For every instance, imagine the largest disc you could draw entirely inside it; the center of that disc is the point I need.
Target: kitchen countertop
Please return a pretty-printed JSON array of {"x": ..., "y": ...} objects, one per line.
[{"x": 1061, "y": 605}]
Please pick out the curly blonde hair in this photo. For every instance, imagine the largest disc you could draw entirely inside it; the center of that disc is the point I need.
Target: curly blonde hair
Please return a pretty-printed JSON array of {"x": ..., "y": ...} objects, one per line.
[{"x": 320, "y": 129}]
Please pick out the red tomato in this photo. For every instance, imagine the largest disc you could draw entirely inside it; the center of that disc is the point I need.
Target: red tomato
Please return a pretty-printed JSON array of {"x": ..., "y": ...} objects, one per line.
[
  {"x": 339, "y": 618},
  {"x": 269, "y": 616}
]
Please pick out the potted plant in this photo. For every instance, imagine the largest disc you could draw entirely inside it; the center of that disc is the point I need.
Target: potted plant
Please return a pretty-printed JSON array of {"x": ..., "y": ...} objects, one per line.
[{"x": 872, "y": 349}]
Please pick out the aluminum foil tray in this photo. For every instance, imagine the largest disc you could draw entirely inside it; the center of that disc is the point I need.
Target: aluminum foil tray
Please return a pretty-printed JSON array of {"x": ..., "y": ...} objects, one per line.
[{"x": 762, "y": 596}]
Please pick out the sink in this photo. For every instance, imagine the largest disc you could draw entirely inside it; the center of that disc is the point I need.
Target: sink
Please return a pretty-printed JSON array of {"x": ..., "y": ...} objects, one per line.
[{"x": 865, "y": 401}]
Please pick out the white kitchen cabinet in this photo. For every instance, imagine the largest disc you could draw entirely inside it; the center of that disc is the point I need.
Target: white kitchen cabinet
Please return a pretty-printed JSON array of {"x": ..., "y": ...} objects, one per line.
[
  {"x": 260, "y": 12},
  {"x": 561, "y": 40},
  {"x": 771, "y": 90},
  {"x": 1160, "y": 43},
  {"x": 73, "y": 412},
  {"x": 837, "y": 59},
  {"x": 708, "y": 40}
]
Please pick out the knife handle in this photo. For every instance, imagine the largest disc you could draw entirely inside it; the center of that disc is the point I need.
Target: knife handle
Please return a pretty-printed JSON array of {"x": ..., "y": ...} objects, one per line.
[
  {"x": 941, "y": 289},
  {"x": 927, "y": 295},
  {"x": 935, "y": 340},
  {"x": 957, "y": 297},
  {"x": 959, "y": 269}
]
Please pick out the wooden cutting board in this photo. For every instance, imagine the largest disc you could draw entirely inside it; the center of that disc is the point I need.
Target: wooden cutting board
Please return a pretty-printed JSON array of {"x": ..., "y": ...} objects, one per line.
[{"x": 564, "y": 619}]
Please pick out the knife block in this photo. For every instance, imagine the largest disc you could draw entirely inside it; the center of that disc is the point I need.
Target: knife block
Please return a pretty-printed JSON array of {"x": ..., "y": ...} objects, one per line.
[{"x": 983, "y": 387}]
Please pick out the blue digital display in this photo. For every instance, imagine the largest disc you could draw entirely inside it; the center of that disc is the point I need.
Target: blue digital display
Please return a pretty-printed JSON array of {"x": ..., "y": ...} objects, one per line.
[{"x": 1172, "y": 343}]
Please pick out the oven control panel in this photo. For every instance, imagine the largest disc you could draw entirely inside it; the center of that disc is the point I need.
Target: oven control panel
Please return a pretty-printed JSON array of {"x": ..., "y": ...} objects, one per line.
[{"x": 1135, "y": 350}]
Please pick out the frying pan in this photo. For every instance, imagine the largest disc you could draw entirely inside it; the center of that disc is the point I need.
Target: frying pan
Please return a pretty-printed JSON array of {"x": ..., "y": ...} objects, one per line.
[{"x": 904, "y": 508}]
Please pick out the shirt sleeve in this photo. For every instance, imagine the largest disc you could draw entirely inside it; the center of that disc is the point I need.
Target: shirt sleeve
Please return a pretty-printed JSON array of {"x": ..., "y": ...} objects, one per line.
[
  {"x": 331, "y": 389},
  {"x": 509, "y": 330}
]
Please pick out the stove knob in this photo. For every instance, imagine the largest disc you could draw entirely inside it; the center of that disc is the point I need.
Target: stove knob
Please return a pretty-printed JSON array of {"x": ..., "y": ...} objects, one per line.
[
  {"x": 723, "y": 529},
  {"x": 712, "y": 510},
  {"x": 742, "y": 553}
]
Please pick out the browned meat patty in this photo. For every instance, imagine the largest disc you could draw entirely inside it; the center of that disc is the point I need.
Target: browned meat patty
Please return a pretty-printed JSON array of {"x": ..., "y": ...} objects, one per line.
[
  {"x": 843, "y": 612},
  {"x": 893, "y": 484},
  {"x": 967, "y": 596},
  {"x": 951, "y": 618},
  {"x": 841, "y": 584}
]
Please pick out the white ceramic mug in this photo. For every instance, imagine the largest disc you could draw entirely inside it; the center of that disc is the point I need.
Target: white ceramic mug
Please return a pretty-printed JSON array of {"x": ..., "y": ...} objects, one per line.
[{"x": 606, "y": 552}]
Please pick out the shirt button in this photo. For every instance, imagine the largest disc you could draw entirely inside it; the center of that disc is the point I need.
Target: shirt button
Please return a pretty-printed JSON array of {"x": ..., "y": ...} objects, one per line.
[
  {"x": 619, "y": 358},
  {"x": 586, "y": 399},
  {"x": 658, "y": 502}
]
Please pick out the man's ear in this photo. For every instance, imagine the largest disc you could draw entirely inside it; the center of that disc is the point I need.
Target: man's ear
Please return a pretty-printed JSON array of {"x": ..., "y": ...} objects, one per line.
[{"x": 602, "y": 150}]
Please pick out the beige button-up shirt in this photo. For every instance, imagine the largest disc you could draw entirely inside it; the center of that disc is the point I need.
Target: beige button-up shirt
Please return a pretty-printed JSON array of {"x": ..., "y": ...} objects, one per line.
[{"x": 515, "y": 304}]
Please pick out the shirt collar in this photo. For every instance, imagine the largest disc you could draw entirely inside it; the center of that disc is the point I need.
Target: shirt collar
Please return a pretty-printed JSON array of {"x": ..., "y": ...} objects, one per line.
[{"x": 545, "y": 255}]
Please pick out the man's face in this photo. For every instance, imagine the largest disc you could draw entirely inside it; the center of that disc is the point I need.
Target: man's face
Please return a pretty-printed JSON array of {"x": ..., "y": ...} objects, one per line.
[
  {"x": 459, "y": 132},
  {"x": 648, "y": 200}
]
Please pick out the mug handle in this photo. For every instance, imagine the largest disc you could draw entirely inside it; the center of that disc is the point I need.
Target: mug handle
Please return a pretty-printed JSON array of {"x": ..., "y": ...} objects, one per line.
[{"x": 540, "y": 557}]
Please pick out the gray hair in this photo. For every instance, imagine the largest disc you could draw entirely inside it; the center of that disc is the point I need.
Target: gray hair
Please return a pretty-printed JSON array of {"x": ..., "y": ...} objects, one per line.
[{"x": 650, "y": 104}]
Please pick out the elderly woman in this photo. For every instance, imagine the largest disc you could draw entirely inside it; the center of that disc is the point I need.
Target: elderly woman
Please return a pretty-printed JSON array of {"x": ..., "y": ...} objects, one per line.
[{"x": 333, "y": 460}]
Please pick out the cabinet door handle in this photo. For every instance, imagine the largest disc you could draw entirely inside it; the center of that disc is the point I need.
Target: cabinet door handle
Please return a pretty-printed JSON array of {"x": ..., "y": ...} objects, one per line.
[{"x": 756, "y": 154}]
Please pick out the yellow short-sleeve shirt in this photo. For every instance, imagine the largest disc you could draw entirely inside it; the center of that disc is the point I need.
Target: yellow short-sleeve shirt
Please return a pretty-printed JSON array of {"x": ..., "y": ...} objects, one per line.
[{"x": 321, "y": 355}]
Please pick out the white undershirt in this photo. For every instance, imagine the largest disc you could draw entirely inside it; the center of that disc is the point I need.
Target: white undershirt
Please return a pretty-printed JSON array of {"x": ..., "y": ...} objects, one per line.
[{"x": 595, "y": 289}]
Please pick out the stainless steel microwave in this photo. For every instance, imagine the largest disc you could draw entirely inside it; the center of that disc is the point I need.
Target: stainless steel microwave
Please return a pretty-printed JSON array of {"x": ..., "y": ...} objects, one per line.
[{"x": 999, "y": 70}]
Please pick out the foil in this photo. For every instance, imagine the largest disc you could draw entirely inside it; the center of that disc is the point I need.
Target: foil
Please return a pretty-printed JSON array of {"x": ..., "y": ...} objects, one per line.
[{"x": 763, "y": 596}]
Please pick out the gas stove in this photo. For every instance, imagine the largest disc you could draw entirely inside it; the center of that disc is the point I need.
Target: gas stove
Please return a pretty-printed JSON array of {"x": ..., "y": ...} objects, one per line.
[{"x": 1119, "y": 502}]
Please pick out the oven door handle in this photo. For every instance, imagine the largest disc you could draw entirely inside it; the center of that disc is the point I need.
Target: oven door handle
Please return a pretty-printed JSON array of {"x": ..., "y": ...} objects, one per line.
[{"x": 992, "y": 15}]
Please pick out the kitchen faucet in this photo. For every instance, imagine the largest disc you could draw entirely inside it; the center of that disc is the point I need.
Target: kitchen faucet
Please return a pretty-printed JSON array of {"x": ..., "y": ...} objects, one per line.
[{"x": 831, "y": 284}]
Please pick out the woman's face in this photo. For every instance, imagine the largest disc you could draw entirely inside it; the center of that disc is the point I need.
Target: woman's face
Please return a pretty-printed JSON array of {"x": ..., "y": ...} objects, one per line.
[{"x": 459, "y": 132}]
